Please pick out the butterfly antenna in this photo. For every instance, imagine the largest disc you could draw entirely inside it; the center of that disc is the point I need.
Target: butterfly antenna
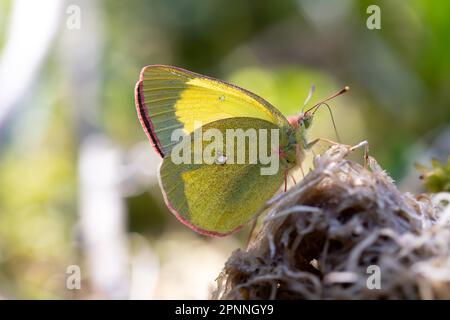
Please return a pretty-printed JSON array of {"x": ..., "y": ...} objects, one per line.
[
  {"x": 342, "y": 91},
  {"x": 332, "y": 120},
  {"x": 311, "y": 92}
]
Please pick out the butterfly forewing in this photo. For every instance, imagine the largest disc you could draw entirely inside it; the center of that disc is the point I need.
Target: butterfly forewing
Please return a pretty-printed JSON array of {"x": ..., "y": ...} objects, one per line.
[{"x": 169, "y": 98}]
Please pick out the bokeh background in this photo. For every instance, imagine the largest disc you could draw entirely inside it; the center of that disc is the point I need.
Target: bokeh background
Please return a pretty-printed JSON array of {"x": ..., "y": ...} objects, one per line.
[{"x": 78, "y": 176}]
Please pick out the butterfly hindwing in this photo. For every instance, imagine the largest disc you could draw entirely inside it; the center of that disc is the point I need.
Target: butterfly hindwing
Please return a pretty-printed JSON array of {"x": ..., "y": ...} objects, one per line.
[{"x": 217, "y": 199}]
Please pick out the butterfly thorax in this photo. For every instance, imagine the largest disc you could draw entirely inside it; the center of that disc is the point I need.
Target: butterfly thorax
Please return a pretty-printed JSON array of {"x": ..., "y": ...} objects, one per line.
[{"x": 297, "y": 141}]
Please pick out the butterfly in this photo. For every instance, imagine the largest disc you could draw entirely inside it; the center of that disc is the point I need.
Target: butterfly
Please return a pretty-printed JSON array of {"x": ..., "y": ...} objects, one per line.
[{"x": 217, "y": 197}]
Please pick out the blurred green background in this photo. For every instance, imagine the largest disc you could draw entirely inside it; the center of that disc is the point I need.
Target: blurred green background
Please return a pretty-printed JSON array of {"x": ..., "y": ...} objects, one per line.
[{"x": 77, "y": 175}]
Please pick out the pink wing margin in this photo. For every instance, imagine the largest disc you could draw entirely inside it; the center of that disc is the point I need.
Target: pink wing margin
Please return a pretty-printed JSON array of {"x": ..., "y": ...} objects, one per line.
[{"x": 143, "y": 116}]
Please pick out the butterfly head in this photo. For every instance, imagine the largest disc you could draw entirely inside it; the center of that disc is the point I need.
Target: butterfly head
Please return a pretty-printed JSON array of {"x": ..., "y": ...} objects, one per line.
[
  {"x": 301, "y": 121},
  {"x": 305, "y": 120}
]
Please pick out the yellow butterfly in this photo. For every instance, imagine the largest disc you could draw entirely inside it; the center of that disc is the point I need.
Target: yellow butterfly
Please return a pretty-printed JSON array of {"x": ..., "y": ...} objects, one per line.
[{"x": 215, "y": 198}]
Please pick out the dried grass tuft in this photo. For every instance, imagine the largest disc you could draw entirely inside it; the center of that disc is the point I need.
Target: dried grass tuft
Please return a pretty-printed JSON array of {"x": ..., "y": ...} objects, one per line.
[{"x": 320, "y": 237}]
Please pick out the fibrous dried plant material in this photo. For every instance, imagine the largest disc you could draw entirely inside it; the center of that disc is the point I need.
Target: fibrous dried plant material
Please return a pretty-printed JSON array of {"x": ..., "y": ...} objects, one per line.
[{"x": 328, "y": 237}]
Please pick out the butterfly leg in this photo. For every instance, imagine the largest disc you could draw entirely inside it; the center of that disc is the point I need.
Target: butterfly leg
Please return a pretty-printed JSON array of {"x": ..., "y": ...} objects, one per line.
[
  {"x": 364, "y": 143},
  {"x": 301, "y": 169},
  {"x": 285, "y": 180},
  {"x": 309, "y": 145},
  {"x": 300, "y": 154},
  {"x": 312, "y": 143},
  {"x": 293, "y": 179},
  {"x": 366, "y": 156},
  {"x": 366, "y": 151}
]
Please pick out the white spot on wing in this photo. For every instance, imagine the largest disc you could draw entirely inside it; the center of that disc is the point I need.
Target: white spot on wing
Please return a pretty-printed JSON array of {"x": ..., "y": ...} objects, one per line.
[{"x": 221, "y": 159}]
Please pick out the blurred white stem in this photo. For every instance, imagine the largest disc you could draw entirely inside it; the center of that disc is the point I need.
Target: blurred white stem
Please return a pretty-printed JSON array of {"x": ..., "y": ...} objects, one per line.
[
  {"x": 30, "y": 33},
  {"x": 102, "y": 214}
]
